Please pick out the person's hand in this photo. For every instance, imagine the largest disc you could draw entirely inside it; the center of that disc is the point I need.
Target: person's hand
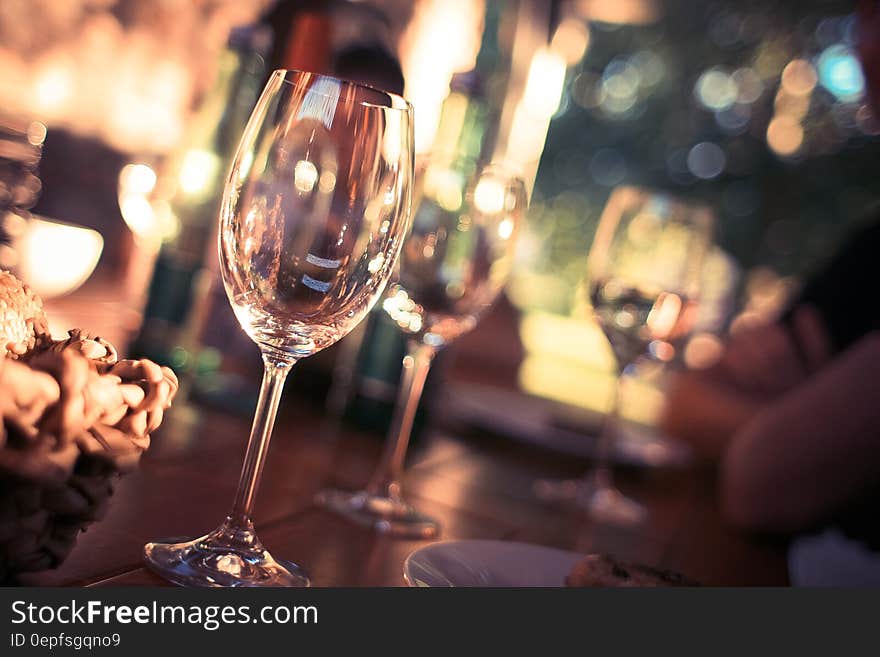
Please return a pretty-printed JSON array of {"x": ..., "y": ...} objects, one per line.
[
  {"x": 759, "y": 364},
  {"x": 805, "y": 459},
  {"x": 771, "y": 359}
]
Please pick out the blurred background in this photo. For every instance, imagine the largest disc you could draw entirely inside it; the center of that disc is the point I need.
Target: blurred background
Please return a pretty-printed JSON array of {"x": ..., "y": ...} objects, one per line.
[{"x": 118, "y": 119}]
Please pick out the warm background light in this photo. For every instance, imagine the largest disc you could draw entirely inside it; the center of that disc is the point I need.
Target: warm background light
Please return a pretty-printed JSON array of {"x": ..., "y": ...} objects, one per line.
[
  {"x": 784, "y": 135},
  {"x": 443, "y": 38},
  {"x": 56, "y": 258},
  {"x": 571, "y": 40},
  {"x": 151, "y": 220},
  {"x": 127, "y": 71},
  {"x": 632, "y": 12},
  {"x": 799, "y": 77}
]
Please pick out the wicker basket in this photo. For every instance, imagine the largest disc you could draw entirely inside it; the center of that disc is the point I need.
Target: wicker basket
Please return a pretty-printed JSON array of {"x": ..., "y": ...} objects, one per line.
[{"x": 74, "y": 419}]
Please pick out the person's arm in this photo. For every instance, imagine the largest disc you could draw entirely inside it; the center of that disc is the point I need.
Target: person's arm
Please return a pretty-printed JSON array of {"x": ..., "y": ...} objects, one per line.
[
  {"x": 810, "y": 453},
  {"x": 704, "y": 410}
]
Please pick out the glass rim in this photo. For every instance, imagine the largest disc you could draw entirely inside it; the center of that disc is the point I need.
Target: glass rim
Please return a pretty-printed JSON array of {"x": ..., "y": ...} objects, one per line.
[{"x": 396, "y": 101}]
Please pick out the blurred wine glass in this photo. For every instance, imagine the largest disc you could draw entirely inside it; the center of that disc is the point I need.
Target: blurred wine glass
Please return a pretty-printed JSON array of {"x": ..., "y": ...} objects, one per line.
[
  {"x": 643, "y": 279},
  {"x": 453, "y": 267},
  {"x": 314, "y": 213}
]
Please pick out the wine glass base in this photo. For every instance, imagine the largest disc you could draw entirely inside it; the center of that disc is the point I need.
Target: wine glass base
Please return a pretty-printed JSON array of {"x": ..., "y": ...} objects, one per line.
[
  {"x": 604, "y": 504},
  {"x": 214, "y": 561},
  {"x": 383, "y": 514}
]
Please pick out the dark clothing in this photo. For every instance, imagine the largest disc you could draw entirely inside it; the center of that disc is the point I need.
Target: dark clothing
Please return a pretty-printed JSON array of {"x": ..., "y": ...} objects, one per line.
[
  {"x": 843, "y": 291},
  {"x": 844, "y": 294}
]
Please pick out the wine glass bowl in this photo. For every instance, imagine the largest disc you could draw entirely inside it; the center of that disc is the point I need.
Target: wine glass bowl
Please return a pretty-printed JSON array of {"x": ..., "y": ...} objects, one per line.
[
  {"x": 454, "y": 265},
  {"x": 314, "y": 212},
  {"x": 318, "y": 201},
  {"x": 644, "y": 272},
  {"x": 459, "y": 253}
]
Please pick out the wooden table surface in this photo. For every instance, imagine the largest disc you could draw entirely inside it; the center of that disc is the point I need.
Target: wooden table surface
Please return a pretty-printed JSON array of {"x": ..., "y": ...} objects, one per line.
[{"x": 479, "y": 486}]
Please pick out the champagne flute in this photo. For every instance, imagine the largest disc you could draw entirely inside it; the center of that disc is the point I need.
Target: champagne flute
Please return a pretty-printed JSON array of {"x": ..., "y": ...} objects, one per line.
[
  {"x": 453, "y": 267},
  {"x": 315, "y": 209},
  {"x": 643, "y": 276}
]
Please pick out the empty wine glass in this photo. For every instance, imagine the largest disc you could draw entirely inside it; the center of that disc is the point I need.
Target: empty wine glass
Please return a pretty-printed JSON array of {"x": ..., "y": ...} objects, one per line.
[
  {"x": 453, "y": 266},
  {"x": 314, "y": 213},
  {"x": 643, "y": 277}
]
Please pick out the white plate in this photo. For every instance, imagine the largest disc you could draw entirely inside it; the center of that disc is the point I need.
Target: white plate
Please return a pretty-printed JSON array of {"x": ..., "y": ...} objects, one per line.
[{"x": 488, "y": 563}]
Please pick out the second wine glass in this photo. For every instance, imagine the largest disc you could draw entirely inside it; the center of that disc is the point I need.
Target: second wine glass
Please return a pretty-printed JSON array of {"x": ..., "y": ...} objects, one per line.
[
  {"x": 452, "y": 268},
  {"x": 643, "y": 276}
]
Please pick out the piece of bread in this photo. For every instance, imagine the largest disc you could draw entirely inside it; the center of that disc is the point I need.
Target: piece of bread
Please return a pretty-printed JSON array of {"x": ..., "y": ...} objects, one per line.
[
  {"x": 602, "y": 570},
  {"x": 22, "y": 320}
]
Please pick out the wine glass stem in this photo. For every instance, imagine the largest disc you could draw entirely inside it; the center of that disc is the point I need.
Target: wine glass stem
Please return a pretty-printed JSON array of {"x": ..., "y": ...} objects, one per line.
[
  {"x": 601, "y": 476},
  {"x": 275, "y": 370},
  {"x": 416, "y": 365}
]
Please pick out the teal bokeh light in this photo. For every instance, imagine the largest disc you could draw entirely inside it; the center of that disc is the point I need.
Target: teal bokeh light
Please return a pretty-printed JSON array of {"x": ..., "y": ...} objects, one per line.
[{"x": 841, "y": 74}]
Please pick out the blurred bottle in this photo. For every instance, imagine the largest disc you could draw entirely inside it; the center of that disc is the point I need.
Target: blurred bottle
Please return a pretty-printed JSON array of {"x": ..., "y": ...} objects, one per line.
[
  {"x": 367, "y": 371},
  {"x": 465, "y": 130},
  {"x": 463, "y": 122},
  {"x": 368, "y": 364},
  {"x": 181, "y": 299},
  {"x": 303, "y": 36}
]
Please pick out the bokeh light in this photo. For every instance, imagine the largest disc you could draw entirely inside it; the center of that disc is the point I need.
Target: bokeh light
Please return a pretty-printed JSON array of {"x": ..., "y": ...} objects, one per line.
[
  {"x": 706, "y": 160},
  {"x": 585, "y": 90},
  {"x": 799, "y": 77},
  {"x": 571, "y": 40},
  {"x": 489, "y": 195},
  {"x": 197, "y": 170},
  {"x": 137, "y": 178},
  {"x": 650, "y": 66},
  {"x": 620, "y": 12},
  {"x": 794, "y": 107},
  {"x": 749, "y": 86},
  {"x": 841, "y": 74},
  {"x": 735, "y": 119},
  {"x": 608, "y": 167},
  {"x": 771, "y": 57},
  {"x": 54, "y": 86},
  {"x": 545, "y": 83},
  {"x": 450, "y": 27},
  {"x": 715, "y": 89},
  {"x": 620, "y": 86},
  {"x": 784, "y": 135},
  {"x": 305, "y": 175},
  {"x": 726, "y": 29}
]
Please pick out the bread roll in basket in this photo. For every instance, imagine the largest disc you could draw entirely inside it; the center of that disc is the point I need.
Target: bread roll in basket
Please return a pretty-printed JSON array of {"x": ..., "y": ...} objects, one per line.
[{"x": 74, "y": 418}]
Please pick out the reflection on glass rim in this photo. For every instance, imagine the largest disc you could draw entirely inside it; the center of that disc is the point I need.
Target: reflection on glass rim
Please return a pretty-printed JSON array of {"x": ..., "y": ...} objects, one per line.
[{"x": 392, "y": 101}]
